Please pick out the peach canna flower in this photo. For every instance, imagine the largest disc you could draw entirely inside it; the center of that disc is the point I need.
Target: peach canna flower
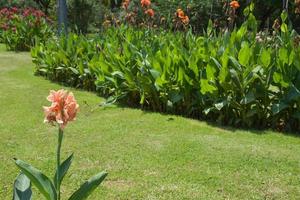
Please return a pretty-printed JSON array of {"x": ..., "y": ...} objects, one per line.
[
  {"x": 234, "y": 4},
  {"x": 63, "y": 108}
]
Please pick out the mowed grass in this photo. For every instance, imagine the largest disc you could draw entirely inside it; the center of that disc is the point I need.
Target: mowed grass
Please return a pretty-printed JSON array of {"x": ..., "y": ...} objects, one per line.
[{"x": 147, "y": 155}]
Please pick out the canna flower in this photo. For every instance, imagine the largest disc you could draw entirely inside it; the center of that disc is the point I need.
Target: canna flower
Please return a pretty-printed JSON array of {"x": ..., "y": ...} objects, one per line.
[
  {"x": 125, "y": 4},
  {"x": 185, "y": 20},
  {"x": 150, "y": 12},
  {"x": 14, "y": 9},
  {"x": 145, "y": 3},
  {"x": 234, "y": 4},
  {"x": 63, "y": 108},
  {"x": 180, "y": 13}
]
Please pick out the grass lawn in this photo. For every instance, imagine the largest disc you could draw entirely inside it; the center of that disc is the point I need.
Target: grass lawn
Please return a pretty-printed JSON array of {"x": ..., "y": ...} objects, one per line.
[{"x": 147, "y": 155}]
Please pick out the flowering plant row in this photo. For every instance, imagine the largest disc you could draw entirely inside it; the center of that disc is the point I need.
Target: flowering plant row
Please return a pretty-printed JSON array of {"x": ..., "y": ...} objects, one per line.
[
  {"x": 242, "y": 78},
  {"x": 144, "y": 13},
  {"x": 20, "y": 28}
]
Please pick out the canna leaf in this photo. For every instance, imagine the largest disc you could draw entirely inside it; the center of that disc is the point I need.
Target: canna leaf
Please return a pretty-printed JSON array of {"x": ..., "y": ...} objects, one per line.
[
  {"x": 283, "y": 55},
  {"x": 63, "y": 169},
  {"x": 22, "y": 188},
  {"x": 221, "y": 104},
  {"x": 41, "y": 181},
  {"x": 265, "y": 57},
  {"x": 206, "y": 87},
  {"x": 88, "y": 187},
  {"x": 249, "y": 98},
  {"x": 244, "y": 54},
  {"x": 293, "y": 94},
  {"x": 277, "y": 108}
]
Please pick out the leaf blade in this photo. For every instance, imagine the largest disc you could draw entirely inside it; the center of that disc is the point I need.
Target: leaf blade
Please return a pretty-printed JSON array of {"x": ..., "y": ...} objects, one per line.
[
  {"x": 22, "y": 188},
  {"x": 88, "y": 187},
  {"x": 41, "y": 181}
]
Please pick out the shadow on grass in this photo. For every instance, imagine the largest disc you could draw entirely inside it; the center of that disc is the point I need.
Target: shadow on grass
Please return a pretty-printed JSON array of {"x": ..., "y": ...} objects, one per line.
[{"x": 171, "y": 116}]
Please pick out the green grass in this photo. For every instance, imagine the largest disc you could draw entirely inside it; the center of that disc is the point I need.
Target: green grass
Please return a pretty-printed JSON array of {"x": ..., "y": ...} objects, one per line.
[{"x": 147, "y": 155}]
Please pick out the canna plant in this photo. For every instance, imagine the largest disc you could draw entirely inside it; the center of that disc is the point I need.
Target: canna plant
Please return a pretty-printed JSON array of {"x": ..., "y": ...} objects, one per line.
[
  {"x": 240, "y": 77},
  {"x": 63, "y": 109}
]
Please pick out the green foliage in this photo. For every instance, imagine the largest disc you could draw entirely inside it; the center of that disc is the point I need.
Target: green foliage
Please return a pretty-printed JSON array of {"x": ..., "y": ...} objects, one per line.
[
  {"x": 22, "y": 188},
  {"x": 84, "y": 15},
  {"x": 41, "y": 181},
  {"x": 241, "y": 78},
  {"x": 88, "y": 187}
]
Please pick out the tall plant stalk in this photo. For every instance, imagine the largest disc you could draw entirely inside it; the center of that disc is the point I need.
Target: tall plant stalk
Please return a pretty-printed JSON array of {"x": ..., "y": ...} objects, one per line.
[{"x": 60, "y": 138}]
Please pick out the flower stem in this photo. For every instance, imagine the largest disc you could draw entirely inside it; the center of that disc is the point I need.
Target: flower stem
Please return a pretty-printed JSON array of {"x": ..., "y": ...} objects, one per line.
[{"x": 60, "y": 138}]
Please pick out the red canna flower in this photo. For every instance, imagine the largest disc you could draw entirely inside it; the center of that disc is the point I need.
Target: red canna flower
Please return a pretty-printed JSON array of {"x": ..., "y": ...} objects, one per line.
[
  {"x": 14, "y": 9},
  {"x": 150, "y": 12},
  {"x": 145, "y": 3}
]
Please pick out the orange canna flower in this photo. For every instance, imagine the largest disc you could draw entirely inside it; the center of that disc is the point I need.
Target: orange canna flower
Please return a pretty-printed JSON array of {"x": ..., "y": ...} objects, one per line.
[
  {"x": 125, "y": 4},
  {"x": 63, "y": 108},
  {"x": 150, "y": 12},
  {"x": 180, "y": 13},
  {"x": 234, "y": 4},
  {"x": 185, "y": 20},
  {"x": 145, "y": 3}
]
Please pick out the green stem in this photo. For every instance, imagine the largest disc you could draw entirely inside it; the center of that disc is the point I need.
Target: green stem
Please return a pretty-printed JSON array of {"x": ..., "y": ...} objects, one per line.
[{"x": 60, "y": 138}]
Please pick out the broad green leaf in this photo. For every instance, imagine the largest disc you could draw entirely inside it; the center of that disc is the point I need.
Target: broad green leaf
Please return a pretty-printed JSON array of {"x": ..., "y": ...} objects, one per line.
[
  {"x": 38, "y": 179},
  {"x": 155, "y": 74},
  {"x": 277, "y": 77},
  {"x": 293, "y": 94},
  {"x": 220, "y": 105},
  {"x": 244, "y": 54},
  {"x": 22, "y": 188},
  {"x": 63, "y": 169},
  {"x": 235, "y": 63},
  {"x": 265, "y": 57},
  {"x": 88, "y": 187},
  {"x": 206, "y": 87},
  {"x": 284, "y": 15},
  {"x": 277, "y": 108},
  {"x": 217, "y": 62},
  {"x": 75, "y": 71},
  {"x": 291, "y": 57},
  {"x": 284, "y": 28},
  {"x": 208, "y": 110},
  {"x": 251, "y": 6},
  {"x": 224, "y": 69},
  {"x": 249, "y": 98},
  {"x": 210, "y": 72},
  {"x": 283, "y": 55},
  {"x": 175, "y": 97},
  {"x": 209, "y": 27},
  {"x": 242, "y": 31}
]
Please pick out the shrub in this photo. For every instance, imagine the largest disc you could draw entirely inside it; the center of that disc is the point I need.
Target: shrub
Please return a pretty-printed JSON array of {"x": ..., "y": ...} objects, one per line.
[
  {"x": 84, "y": 15},
  {"x": 240, "y": 78},
  {"x": 21, "y": 27}
]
